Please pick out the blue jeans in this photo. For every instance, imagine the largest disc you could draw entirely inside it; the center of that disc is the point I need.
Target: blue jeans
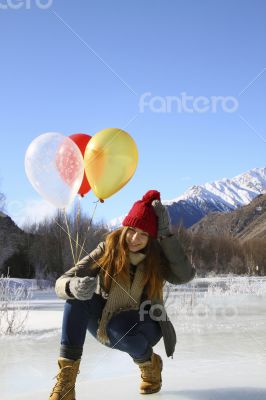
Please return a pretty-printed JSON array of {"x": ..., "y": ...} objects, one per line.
[{"x": 125, "y": 331}]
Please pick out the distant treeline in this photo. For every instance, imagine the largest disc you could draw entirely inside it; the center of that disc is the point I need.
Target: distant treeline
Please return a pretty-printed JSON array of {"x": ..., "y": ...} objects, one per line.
[
  {"x": 45, "y": 252},
  {"x": 224, "y": 254}
]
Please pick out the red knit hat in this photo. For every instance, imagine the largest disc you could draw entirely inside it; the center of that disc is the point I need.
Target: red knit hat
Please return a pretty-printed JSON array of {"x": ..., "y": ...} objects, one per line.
[{"x": 142, "y": 214}]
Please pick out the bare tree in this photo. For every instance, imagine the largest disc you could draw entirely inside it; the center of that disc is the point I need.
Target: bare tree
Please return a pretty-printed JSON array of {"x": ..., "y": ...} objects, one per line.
[{"x": 14, "y": 305}]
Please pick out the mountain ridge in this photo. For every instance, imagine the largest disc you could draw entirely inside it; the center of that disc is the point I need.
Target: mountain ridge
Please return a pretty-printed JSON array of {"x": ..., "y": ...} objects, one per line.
[
  {"x": 222, "y": 195},
  {"x": 245, "y": 223}
]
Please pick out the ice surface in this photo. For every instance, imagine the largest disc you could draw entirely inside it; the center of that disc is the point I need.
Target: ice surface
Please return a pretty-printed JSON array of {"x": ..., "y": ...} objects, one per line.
[{"x": 220, "y": 353}]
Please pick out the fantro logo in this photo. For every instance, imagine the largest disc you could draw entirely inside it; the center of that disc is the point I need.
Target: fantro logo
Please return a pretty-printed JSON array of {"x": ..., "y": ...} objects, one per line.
[
  {"x": 25, "y": 4},
  {"x": 185, "y": 103}
]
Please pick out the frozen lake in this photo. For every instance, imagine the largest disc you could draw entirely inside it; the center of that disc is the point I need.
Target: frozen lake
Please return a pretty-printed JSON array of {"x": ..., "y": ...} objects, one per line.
[{"x": 220, "y": 353}]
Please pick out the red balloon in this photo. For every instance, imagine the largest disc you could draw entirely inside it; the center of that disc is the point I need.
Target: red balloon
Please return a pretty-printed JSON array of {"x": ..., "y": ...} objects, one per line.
[{"x": 81, "y": 140}]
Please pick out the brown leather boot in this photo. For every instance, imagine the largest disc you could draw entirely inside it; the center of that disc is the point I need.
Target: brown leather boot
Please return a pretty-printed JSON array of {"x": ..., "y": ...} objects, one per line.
[
  {"x": 64, "y": 388},
  {"x": 151, "y": 379}
]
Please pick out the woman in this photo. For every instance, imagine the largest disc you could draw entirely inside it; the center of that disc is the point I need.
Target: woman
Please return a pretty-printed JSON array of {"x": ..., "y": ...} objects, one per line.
[{"x": 116, "y": 293}]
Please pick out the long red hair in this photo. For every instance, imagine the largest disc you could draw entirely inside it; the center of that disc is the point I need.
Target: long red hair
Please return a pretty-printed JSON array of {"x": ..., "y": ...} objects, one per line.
[{"x": 115, "y": 261}]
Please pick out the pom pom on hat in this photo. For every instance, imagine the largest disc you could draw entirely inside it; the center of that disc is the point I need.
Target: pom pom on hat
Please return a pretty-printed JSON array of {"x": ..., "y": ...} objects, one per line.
[
  {"x": 142, "y": 214},
  {"x": 150, "y": 196}
]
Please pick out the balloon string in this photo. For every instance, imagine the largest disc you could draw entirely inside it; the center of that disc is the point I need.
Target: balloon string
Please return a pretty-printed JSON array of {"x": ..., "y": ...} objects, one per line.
[
  {"x": 86, "y": 234},
  {"x": 77, "y": 225},
  {"x": 69, "y": 236}
]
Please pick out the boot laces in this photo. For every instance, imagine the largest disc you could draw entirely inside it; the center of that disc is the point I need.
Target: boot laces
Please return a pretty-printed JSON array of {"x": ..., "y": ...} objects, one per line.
[
  {"x": 149, "y": 372},
  {"x": 63, "y": 377}
]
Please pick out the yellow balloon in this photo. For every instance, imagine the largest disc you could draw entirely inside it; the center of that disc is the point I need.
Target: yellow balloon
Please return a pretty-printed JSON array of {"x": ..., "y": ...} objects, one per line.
[{"x": 111, "y": 158}]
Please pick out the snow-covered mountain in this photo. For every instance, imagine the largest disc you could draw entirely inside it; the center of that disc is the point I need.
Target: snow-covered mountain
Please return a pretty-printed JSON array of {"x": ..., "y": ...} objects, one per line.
[
  {"x": 222, "y": 195},
  {"x": 234, "y": 192}
]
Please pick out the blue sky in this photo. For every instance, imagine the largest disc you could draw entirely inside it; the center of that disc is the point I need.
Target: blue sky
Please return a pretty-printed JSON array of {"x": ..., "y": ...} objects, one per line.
[{"x": 84, "y": 66}]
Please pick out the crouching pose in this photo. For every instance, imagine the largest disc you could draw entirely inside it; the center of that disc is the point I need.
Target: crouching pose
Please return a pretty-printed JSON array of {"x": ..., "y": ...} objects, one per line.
[{"x": 116, "y": 293}]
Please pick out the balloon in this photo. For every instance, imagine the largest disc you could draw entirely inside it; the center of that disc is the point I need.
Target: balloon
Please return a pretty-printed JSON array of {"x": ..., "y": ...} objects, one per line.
[
  {"x": 45, "y": 157},
  {"x": 81, "y": 140},
  {"x": 111, "y": 158}
]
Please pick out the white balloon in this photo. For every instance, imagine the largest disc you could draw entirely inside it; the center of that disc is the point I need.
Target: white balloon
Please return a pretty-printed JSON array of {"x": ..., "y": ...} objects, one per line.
[{"x": 55, "y": 168}]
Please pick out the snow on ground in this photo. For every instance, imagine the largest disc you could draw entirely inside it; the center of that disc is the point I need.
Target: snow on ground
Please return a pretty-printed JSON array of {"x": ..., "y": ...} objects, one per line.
[{"x": 220, "y": 353}]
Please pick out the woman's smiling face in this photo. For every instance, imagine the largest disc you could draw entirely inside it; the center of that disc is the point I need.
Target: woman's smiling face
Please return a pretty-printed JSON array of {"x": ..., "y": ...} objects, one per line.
[{"x": 136, "y": 239}]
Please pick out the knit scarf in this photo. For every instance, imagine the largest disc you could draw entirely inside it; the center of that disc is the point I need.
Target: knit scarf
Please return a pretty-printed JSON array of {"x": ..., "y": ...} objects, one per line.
[{"x": 122, "y": 296}]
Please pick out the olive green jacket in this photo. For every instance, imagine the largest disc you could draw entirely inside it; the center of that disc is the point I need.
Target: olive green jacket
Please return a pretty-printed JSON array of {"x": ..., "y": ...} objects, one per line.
[{"x": 177, "y": 270}]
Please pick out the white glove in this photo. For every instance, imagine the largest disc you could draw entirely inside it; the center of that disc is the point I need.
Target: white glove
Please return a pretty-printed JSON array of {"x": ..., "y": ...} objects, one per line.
[{"x": 83, "y": 288}]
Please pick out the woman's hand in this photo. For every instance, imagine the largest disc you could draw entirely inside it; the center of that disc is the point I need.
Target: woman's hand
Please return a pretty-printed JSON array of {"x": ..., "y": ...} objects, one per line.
[
  {"x": 82, "y": 288},
  {"x": 163, "y": 219}
]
